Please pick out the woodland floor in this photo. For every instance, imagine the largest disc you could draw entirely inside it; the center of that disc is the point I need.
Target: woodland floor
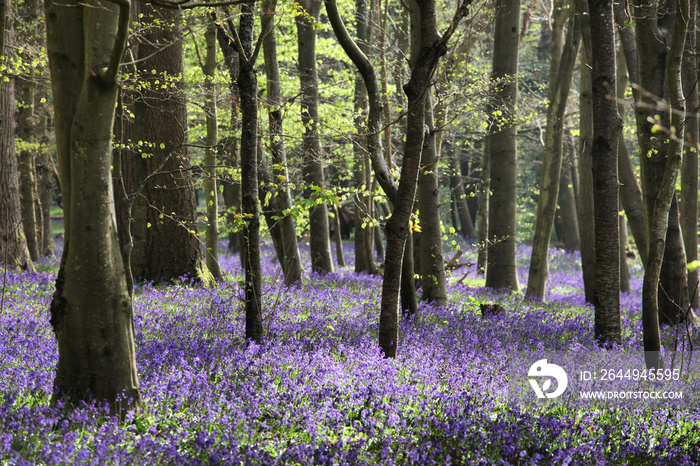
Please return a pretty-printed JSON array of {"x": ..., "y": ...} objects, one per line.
[{"x": 317, "y": 390}]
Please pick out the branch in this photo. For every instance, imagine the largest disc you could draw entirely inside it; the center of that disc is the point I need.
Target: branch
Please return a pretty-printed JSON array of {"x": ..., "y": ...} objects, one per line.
[
  {"x": 109, "y": 74},
  {"x": 382, "y": 172}
]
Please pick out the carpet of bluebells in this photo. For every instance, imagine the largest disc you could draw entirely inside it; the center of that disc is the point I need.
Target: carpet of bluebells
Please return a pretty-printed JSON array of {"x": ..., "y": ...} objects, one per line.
[{"x": 317, "y": 390}]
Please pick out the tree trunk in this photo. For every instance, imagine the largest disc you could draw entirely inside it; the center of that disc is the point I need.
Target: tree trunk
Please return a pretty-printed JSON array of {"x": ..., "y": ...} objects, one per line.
[
  {"x": 248, "y": 88},
  {"x": 607, "y": 126},
  {"x": 502, "y": 272},
  {"x": 433, "y": 279},
  {"x": 91, "y": 311},
  {"x": 585, "y": 166},
  {"x": 688, "y": 202},
  {"x": 660, "y": 224},
  {"x": 559, "y": 84},
  {"x": 432, "y": 47},
  {"x": 27, "y": 167},
  {"x": 172, "y": 247},
  {"x": 653, "y": 35},
  {"x": 13, "y": 244},
  {"x": 482, "y": 212},
  {"x": 364, "y": 261},
  {"x": 460, "y": 198},
  {"x": 567, "y": 213},
  {"x": 321, "y": 260},
  {"x": 630, "y": 191},
  {"x": 229, "y": 146},
  {"x": 211, "y": 192},
  {"x": 624, "y": 270},
  {"x": 291, "y": 265}
]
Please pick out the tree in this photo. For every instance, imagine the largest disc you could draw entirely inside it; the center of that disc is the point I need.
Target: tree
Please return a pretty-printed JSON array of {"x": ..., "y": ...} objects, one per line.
[
  {"x": 561, "y": 71},
  {"x": 654, "y": 26},
  {"x": 607, "y": 126},
  {"x": 689, "y": 171},
  {"x": 364, "y": 261},
  {"x": 433, "y": 278},
  {"x": 321, "y": 260},
  {"x": 91, "y": 310},
  {"x": 13, "y": 245},
  {"x": 291, "y": 264},
  {"x": 210, "y": 184},
  {"x": 585, "y": 168},
  {"x": 172, "y": 247},
  {"x": 501, "y": 271},
  {"x": 663, "y": 203},
  {"x": 423, "y": 63}
]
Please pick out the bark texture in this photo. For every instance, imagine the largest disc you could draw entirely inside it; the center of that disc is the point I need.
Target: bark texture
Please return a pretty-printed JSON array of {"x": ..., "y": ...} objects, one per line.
[
  {"x": 559, "y": 85},
  {"x": 501, "y": 271},
  {"x": 291, "y": 265},
  {"x": 172, "y": 246},
  {"x": 13, "y": 245},
  {"x": 91, "y": 311},
  {"x": 321, "y": 259},
  {"x": 607, "y": 126}
]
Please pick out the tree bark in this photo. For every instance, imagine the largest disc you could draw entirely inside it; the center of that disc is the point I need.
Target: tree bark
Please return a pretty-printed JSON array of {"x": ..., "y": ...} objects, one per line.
[
  {"x": 653, "y": 34},
  {"x": 567, "y": 212},
  {"x": 559, "y": 85},
  {"x": 501, "y": 271},
  {"x": 211, "y": 192},
  {"x": 585, "y": 166},
  {"x": 460, "y": 197},
  {"x": 291, "y": 265},
  {"x": 663, "y": 206},
  {"x": 688, "y": 202},
  {"x": 13, "y": 244},
  {"x": 91, "y": 311},
  {"x": 630, "y": 191},
  {"x": 364, "y": 261},
  {"x": 248, "y": 88},
  {"x": 321, "y": 259},
  {"x": 172, "y": 246},
  {"x": 433, "y": 278},
  {"x": 607, "y": 126},
  {"x": 432, "y": 47}
]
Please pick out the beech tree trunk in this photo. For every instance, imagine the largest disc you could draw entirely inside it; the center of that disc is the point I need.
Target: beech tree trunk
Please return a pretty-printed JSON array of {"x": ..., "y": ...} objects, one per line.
[
  {"x": 211, "y": 193},
  {"x": 321, "y": 259},
  {"x": 248, "y": 87},
  {"x": 630, "y": 191},
  {"x": 364, "y": 261},
  {"x": 433, "y": 279},
  {"x": 653, "y": 33},
  {"x": 432, "y": 47},
  {"x": 502, "y": 272},
  {"x": 585, "y": 166},
  {"x": 13, "y": 244},
  {"x": 663, "y": 213},
  {"x": 291, "y": 264},
  {"x": 559, "y": 85},
  {"x": 688, "y": 201},
  {"x": 91, "y": 310}
]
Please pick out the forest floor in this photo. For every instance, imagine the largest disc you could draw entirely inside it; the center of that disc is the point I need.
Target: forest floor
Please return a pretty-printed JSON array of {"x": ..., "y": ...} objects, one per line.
[{"x": 318, "y": 391}]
